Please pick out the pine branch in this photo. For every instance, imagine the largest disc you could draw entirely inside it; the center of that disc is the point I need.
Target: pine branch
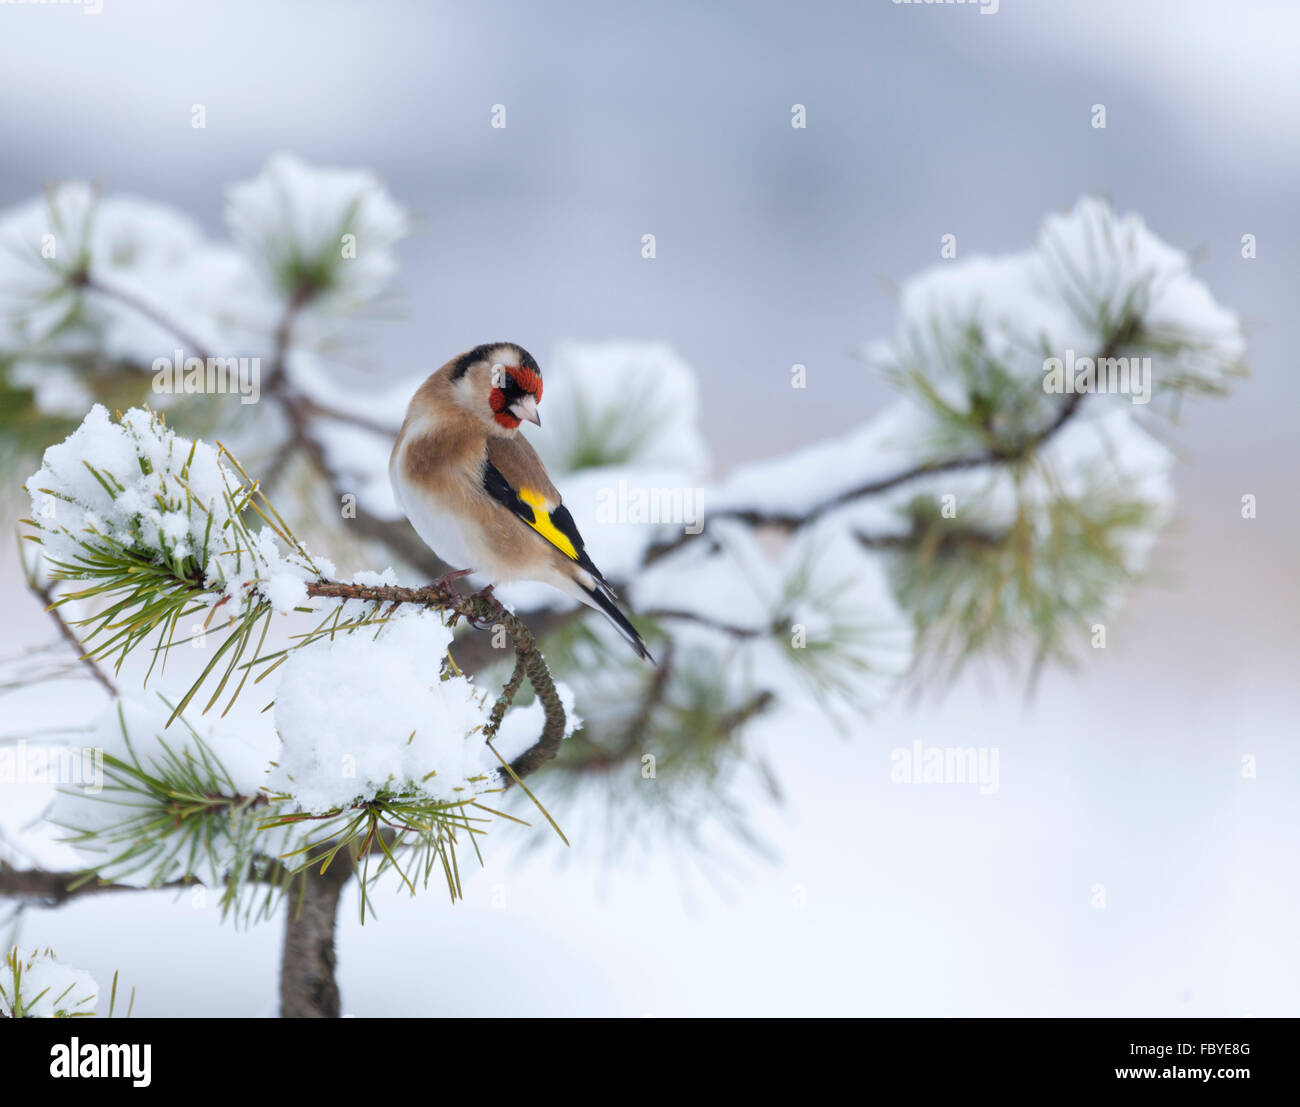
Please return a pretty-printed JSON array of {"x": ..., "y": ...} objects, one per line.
[
  {"x": 506, "y": 698},
  {"x": 992, "y": 455}
]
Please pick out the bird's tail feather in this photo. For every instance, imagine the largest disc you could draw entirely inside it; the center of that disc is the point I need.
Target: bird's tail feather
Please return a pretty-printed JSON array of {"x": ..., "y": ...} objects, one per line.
[{"x": 596, "y": 597}]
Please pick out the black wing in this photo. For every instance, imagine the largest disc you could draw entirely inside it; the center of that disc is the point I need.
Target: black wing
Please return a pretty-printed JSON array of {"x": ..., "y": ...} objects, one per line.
[{"x": 556, "y": 525}]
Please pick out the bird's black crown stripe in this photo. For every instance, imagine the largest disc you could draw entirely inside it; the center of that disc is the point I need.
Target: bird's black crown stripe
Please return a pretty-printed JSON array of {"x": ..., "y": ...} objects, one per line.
[{"x": 482, "y": 353}]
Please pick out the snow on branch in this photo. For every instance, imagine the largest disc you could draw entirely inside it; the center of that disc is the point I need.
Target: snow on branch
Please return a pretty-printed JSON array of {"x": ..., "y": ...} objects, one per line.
[
  {"x": 40, "y": 986},
  {"x": 382, "y": 741}
]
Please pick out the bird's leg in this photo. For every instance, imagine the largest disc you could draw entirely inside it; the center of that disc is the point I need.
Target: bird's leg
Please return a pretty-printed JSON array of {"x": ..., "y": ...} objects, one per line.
[
  {"x": 484, "y": 593},
  {"x": 445, "y": 580}
]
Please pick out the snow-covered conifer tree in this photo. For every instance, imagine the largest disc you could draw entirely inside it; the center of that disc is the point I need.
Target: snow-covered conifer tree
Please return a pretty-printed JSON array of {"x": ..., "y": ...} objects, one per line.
[{"x": 289, "y": 705}]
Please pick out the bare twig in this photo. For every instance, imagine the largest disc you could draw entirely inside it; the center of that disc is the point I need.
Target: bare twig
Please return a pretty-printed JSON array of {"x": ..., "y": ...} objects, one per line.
[
  {"x": 756, "y": 705},
  {"x": 323, "y": 411},
  {"x": 52, "y": 889},
  {"x": 129, "y": 299},
  {"x": 69, "y": 636},
  {"x": 654, "y": 693},
  {"x": 284, "y": 333},
  {"x": 702, "y": 620}
]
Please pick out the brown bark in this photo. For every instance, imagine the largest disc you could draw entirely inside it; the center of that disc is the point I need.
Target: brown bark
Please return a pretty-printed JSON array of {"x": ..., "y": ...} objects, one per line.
[{"x": 308, "y": 988}]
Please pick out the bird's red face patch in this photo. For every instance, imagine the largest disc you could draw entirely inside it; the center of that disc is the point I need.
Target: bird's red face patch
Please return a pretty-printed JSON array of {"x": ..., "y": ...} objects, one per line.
[
  {"x": 518, "y": 382},
  {"x": 497, "y": 401}
]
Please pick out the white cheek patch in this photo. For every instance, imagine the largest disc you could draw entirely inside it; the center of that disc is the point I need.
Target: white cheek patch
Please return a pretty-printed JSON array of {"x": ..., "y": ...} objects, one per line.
[{"x": 464, "y": 392}]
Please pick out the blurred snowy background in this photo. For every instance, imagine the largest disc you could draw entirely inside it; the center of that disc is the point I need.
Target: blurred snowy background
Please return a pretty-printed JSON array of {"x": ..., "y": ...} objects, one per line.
[{"x": 778, "y": 246}]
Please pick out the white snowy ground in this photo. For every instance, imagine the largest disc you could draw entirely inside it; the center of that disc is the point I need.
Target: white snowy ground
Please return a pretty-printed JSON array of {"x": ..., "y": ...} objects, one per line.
[{"x": 917, "y": 899}]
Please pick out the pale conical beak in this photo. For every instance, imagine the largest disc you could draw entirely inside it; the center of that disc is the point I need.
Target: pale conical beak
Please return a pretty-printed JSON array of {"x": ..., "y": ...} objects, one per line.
[{"x": 526, "y": 408}]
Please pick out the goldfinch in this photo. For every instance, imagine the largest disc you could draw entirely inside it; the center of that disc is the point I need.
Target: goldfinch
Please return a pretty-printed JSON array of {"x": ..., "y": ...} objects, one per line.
[{"x": 477, "y": 493}]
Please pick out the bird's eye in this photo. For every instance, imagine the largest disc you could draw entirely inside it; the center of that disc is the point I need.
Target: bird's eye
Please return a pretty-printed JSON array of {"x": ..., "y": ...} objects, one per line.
[{"x": 525, "y": 380}]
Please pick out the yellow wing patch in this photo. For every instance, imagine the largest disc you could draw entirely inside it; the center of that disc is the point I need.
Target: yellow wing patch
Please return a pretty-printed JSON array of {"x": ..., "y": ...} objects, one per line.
[{"x": 543, "y": 525}]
